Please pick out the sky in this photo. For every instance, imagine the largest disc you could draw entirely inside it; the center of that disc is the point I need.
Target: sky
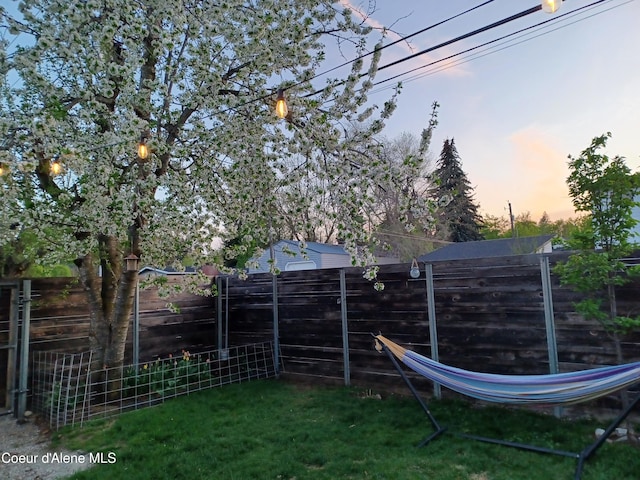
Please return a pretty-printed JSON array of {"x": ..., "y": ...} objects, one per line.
[
  {"x": 520, "y": 108},
  {"x": 518, "y": 112}
]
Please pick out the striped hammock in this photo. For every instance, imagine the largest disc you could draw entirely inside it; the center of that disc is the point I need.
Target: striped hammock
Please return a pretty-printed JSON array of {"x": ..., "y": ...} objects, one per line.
[{"x": 552, "y": 389}]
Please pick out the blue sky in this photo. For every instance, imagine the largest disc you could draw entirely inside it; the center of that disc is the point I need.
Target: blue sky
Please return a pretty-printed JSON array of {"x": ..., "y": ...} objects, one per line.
[{"x": 516, "y": 114}]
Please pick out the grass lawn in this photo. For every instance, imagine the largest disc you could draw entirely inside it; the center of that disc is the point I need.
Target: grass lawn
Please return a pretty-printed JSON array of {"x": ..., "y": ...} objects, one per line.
[{"x": 275, "y": 430}]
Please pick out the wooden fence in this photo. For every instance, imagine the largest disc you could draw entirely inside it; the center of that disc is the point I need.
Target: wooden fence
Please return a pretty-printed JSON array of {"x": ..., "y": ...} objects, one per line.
[
  {"x": 489, "y": 315},
  {"x": 60, "y": 320},
  {"x": 60, "y": 323}
]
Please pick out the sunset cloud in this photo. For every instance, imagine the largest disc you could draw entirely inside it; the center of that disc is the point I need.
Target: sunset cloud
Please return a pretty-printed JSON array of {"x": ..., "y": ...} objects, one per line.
[{"x": 542, "y": 169}]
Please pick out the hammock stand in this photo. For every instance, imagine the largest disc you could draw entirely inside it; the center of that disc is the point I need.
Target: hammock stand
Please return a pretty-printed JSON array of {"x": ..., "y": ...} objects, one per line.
[{"x": 383, "y": 344}]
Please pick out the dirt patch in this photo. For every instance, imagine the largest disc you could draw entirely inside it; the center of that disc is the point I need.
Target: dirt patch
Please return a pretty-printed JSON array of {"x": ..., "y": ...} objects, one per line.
[{"x": 26, "y": 453}]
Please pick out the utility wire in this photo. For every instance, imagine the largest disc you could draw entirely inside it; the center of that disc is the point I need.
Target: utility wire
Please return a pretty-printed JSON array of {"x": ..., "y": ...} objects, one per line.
[
  {"x": 348, "y": 62},
  {"x": 555, "y": 19},
  {"x": 491, "y": 50},
  {"x": 402, "y": 39},
  {"x": 504, "y": 21}
]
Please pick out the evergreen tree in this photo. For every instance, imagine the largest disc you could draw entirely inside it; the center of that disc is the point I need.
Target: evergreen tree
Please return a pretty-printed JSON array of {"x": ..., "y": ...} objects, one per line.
[{"x": 458, "y": 218}]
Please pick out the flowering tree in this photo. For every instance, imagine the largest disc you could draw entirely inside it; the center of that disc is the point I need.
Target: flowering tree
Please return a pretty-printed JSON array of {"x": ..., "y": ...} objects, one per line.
[{"x": 196, "y": 80}]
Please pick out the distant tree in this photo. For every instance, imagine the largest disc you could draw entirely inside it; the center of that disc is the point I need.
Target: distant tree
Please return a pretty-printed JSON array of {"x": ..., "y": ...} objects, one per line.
[
  {"x": 605, "y": 189},
  {"x": 494, "y": 227},
  {"x": 458, "y": 215},
  {"x": 525, "y": 226},
  {"x": 407, "y": 233},
  {"x": 545, "y": 225}
]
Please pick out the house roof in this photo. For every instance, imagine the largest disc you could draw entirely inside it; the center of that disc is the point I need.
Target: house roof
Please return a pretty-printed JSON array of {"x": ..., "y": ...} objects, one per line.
[
  {"x": 314, "y": 247},
  {"x": 488, "y": 248},
  {"x": 167, "y": 270}
]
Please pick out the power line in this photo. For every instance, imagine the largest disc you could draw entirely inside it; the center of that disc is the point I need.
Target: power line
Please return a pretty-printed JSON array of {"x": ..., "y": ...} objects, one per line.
[
  {"x": 491, "y": 50},
  {"x": 348, "y": 62},
  {"x": 539, "y": 24},
  {"x": 493, "y": 25},
  {"x": 402, "y": 39}
]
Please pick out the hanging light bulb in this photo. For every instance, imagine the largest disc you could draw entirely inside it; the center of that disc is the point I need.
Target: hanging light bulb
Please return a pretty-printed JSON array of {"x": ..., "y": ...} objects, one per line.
[
  {"x": 281, "y": 105},
  {"x": 143, "y": 148},
  {"x": 56, "y": 167},
  {"x": 415, "y": 269},
  {"x": 4, "y": 169},
  {"x": 551, "y": 6}
]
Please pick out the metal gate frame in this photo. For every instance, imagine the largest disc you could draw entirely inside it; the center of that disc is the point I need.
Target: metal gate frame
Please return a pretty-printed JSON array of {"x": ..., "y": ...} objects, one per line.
[{"x": 20, "y": 303}]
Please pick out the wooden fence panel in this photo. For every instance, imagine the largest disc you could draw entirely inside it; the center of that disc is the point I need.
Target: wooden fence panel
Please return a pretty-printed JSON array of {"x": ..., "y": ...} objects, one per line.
[
  {"x": 489, "y": 315},
  {"x": 60, "y": 320}
]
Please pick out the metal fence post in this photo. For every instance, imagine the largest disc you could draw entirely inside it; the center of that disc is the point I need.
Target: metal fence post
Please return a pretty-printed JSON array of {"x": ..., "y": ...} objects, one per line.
[
  {"x": 345, "y": 327},
  {"x": 433, "y": 330},
  {"x": 136, "y": 322},
  {"x": 547, "y": 297},
  {"x": 276, "y": 332},
  {"x": 24, "y": 357},
  {"x": 219, "y": 312}
]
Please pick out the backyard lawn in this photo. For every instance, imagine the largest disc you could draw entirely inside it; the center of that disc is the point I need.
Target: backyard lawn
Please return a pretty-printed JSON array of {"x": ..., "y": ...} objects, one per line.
[{"x": 275, "y": 430}]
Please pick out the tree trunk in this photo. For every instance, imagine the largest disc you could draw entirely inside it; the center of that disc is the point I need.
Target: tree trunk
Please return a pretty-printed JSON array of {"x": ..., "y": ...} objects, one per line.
[
  {"x": 613, "y": 313},
  {"x": 110, "y": 299}
]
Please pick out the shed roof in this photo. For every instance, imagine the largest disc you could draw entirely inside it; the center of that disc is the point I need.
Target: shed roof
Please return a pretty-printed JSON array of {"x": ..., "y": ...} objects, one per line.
[
  {"x": 315, "y": 247},
  {"x": 488, "y": 248}
]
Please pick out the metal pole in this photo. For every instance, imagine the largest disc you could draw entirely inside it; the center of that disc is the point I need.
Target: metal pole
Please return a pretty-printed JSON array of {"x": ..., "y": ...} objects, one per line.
[
  {"x": 433, "y": 330},
  {"x": 219, "y": 312},
  {"x": 226, "y": 315},
  {"x": 12, "y": 354},
  {"x": 276, "y": 333},
  {"x": 136, "y": 324},
  {"x": 345, "y": 327},
  {"x": 547, "y": 297},
  {"x": 24, "y": 357}
]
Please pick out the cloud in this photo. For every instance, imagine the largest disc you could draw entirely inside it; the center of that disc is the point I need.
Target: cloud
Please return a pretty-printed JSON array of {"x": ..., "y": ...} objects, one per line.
[
  {"x": 450, "y": 67},
  {"x": 540, "y": 171},
  {"x": 527, "y": 169}
]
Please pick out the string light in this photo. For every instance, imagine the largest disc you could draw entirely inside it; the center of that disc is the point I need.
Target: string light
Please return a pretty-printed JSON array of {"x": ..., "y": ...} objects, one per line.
[
  {"x": 415, "y": 269},
  {"x": 56, "y": 167},
  {"x": 4, "y": 169},
  {"x": 551, "y": 6},
  {"x": 281, "y": 105},
  {"x": 143, "y": 148}
]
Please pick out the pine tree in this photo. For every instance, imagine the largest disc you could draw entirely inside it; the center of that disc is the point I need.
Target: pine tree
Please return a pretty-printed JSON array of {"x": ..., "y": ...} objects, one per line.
[{"x": 458, "y": 218}]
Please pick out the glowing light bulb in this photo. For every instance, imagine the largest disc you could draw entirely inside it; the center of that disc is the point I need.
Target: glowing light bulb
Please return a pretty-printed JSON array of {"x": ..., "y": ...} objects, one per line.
[
  {"x": 281, "y": 105},
  {"x": 56, "y": 167},
  {"x": 143, "y": 148},
  {"x": 551, "y": 6}
]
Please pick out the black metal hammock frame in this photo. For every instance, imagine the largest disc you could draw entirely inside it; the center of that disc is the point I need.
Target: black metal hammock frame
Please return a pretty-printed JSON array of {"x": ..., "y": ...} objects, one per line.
[{"x": 552, "y": 389}]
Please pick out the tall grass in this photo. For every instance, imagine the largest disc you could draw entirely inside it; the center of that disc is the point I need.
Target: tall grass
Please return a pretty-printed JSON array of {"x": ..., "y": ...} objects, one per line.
[{"x": 274, "y": 430}]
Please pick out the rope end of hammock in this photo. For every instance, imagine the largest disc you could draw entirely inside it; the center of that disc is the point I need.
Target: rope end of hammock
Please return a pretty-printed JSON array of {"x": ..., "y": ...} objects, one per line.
[
  {"x": 383, "y": 342},
  {"x": 377, "y": 344}
]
